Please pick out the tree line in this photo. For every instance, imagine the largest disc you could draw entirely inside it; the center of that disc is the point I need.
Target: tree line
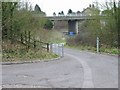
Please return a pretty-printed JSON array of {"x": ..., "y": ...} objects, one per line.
[
  {"x": 18, "y": 17},
  {"x": 24, "y": 32},
  {"x": 71, "y": 12}
]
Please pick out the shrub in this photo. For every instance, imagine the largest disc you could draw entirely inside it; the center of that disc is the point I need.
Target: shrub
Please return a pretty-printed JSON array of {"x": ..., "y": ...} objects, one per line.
[{"x": 48, "y": 25}]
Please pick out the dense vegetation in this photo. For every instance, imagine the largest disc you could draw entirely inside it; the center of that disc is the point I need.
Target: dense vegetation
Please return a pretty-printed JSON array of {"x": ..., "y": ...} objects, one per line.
[
  {"x": 107, "y": 29},
  {"x": 22, "y": 29}
]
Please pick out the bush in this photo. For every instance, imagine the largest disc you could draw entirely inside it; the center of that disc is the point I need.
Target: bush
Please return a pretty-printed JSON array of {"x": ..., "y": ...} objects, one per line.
[{"x": 48, "y": 25}]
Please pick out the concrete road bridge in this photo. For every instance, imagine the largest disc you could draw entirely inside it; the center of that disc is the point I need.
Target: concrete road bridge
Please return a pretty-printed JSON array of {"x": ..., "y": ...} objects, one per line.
[{"x": 72, "y": 21}]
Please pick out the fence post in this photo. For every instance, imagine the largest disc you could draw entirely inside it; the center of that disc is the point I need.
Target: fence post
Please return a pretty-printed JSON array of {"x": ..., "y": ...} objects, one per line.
[
  {"x": 21, "y": 38},
  {"x": 47, "y": 47},
  {"x": 28, "y": 39},
  {"x": 34, "y": 43},
  {"x": 25, "y": 37}
]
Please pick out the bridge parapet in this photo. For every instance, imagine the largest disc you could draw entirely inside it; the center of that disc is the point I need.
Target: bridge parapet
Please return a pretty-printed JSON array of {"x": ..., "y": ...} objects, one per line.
[{"x": 67, "y": 18}]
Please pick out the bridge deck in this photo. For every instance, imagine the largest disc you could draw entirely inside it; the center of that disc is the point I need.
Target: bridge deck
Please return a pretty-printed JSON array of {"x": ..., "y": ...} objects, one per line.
[{"x": 72, "y": 17}]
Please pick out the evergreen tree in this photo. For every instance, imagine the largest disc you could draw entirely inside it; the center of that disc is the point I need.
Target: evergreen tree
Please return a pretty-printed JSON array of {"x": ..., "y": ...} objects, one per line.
[
  {"x": 62, "y": 13},
  {"x": 48, "y": 25},
  {"x": 54, "y": 14},
  {"x": 70, "y": 11},
  {"x": 37, "y": 8}
]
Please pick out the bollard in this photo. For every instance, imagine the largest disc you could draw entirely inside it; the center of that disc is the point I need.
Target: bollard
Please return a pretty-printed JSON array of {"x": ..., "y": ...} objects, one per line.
[
  {"x": 62, "y": 50},
  {"x": 97, "y": 44}
]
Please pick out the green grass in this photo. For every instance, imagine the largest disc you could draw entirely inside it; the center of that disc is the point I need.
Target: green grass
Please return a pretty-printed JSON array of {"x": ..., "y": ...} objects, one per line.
[
  {"x": 109, "y": 50},
  {"x": 82, "y": 48}
]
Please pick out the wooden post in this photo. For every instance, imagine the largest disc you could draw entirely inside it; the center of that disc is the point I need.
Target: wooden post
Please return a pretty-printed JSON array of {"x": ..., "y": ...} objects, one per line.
[
  {"x": 47, "y": 47},
  {"x": 28, "y": 39},
  {"x": 34, "y": 43},
  {"x": 21, "y": 38},
  {"x": 25, "y": 38}
]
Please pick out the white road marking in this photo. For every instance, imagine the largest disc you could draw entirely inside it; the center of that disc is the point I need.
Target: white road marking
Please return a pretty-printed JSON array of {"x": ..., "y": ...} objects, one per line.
[{"x": 88, "y": 80}]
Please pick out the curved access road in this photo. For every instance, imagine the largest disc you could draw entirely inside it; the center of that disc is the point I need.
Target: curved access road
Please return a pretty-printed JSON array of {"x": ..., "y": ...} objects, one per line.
[
  {"x": 77, "y": 69},
  {"x": 100, "y": 70}
]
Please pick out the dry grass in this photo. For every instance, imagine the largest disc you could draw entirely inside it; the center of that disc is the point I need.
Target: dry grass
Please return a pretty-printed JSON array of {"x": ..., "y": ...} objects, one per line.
[{"x": 19, "y": 52}]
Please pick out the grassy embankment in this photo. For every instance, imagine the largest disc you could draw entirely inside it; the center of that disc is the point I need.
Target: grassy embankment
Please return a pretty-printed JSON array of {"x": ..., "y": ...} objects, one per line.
[
  {"x": 108, "y": 50},
  {"x": 19, "y": 52}
]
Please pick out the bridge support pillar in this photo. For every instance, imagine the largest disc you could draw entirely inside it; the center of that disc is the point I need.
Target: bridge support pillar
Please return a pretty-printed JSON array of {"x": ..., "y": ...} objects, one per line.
[
  {"x": 53, "y": 22},
  {"x": 73, "y": 26}
]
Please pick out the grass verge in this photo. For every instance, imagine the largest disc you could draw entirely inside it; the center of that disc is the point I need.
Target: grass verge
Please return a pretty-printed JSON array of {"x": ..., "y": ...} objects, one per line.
[
  {"x": 109, "y": 50},
  {"x": 18, "y": 52},
  {"x": 27, "y": 56}
]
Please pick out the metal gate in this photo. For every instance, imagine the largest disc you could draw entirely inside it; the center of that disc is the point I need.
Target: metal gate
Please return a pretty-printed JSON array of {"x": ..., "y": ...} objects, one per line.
[{"x": 57, "y": 49}]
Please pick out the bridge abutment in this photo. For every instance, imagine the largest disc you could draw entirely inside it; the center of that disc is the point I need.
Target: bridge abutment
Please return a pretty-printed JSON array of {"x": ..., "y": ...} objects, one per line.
[{"x": 73, "y": 26}]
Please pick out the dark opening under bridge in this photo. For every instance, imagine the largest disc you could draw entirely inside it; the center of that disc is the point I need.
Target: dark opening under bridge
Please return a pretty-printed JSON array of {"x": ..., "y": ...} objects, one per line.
[{"x": 73, "y": 20}]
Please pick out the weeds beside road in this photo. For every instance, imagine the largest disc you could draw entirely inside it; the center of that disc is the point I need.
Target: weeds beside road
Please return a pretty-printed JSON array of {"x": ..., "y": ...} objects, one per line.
[
  {"x": 113, "y": 51},
  {"x": 18, "y": 52}
]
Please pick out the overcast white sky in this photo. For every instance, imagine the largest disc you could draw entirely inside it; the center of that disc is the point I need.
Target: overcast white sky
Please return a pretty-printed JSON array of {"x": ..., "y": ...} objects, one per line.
[{"x": 50, "y": 6}]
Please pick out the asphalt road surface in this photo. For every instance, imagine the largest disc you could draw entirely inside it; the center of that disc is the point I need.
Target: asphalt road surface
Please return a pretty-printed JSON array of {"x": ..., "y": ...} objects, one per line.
[{"x": 78, "y": 69}]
